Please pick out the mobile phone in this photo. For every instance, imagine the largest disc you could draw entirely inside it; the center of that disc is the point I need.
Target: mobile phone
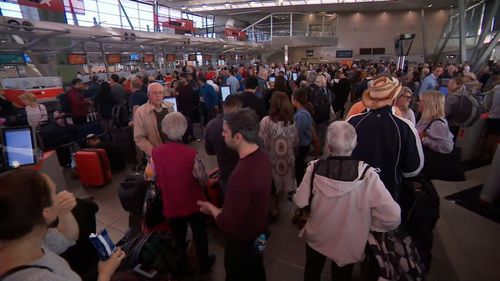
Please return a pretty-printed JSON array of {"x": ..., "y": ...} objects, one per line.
[
  {"x": 146, "y": 272},
  {"x": 272, "y": 78},
  {"x": 294, "y": 76}
]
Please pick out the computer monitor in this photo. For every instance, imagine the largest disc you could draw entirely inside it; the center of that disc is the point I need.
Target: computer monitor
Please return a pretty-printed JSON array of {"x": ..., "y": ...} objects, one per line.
[
  {"x": 171, "y": 100},
  {"x": 19, "y": 147},
  {"x": 225, "y": 91}
]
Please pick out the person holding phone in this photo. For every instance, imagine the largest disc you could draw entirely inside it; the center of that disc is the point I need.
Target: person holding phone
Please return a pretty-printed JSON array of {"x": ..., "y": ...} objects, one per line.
[{"x": 25, "y": 223}]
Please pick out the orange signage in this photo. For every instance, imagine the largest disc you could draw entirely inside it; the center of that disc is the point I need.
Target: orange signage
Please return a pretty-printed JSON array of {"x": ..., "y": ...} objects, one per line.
[
  {"x": 149, "y": 58},
  {"x": 77, "y": 59},
  {"x": 171, "y": 57},
  {"x": 113, "y": 58}
]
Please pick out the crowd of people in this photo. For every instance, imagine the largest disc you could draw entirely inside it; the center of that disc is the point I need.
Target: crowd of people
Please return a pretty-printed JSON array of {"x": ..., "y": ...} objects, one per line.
[{"x": 276, "y": 118}]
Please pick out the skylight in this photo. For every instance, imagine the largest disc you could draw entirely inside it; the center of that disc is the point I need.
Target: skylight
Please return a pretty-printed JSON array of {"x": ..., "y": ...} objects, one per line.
[{"x": 270, "y": 3}]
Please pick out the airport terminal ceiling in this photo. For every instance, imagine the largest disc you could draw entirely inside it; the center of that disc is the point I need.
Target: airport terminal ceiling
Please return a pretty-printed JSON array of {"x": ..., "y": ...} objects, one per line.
[{"x": 242, "y": 7}]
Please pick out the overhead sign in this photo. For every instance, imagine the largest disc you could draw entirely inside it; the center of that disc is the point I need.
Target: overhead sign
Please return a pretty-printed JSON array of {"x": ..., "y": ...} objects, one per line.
[
  {"x": 407, "y": 36},
  {"x": 192, "y": 57},
  {"x": 309, "y": 53},
  {"x": 171, "y": 57},
  {"x": 53, "y": 5},
  {"x": 177, "y": 24},
  {"x": 243, "y": 57},
  {"x": 207, "y": 57},
  {"x": 76, "y": 59},
  {"x": 222, "y": 57},
  {"x": 149, "y": 58},
  {"x": 235, "y": 34},
  {"x": 343, "y": 54},
  {"x": 12, "y": 59},
  {"x": 113, "y": 58}
]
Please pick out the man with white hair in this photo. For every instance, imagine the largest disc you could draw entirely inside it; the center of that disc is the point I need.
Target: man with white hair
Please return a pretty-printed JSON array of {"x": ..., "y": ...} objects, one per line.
[
  {"x": 347, "y": 200},
  {"x": 148, "y": 117}
]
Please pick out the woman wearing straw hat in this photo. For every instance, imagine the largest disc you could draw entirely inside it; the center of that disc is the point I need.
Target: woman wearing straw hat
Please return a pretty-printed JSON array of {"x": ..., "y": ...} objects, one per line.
[{"x": 385, "y": 141}]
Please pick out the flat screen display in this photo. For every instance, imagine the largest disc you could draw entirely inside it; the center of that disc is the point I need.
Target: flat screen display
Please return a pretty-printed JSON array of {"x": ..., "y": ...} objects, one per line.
[
  {"x": 19, "y": 146},
  {"x": 149, "y": 58},
  {"x": 225, "y": 91},
  {"x": 171, "y": 57},
  {"x": 12, "y": 59},
  {"x": 113, "y": 58},
  {"x": 443, "y": 90},
  {"x": 135, "y": 57},
  {"x": 171, "y": 100},
  {"x": 76, "y": 59}
]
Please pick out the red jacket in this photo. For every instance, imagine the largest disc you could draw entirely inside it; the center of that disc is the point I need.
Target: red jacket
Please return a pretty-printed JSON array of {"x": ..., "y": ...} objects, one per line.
[
  {"x": 79, "y": 107},
  {"x": 174, "y": 175}
]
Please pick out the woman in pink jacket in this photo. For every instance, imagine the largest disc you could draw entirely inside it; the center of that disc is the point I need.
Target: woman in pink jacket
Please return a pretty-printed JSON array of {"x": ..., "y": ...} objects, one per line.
[{"x": 348, "y": 200}]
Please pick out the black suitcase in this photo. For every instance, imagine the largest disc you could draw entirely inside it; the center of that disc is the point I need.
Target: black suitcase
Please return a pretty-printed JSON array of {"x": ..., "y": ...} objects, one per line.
[
  {"x": 85, "y": 129},
  {"x": 123, "y": 139},
  {"x": 51, "y": 135}
]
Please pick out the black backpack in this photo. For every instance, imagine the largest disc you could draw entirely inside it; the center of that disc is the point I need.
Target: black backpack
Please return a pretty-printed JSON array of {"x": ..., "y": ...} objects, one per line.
[
  {"x": 119, "y": 114},
  {"x": 64, "y": 102},
  {"x": 466, "y": 111},
  {"x": 321, "y": 101}
]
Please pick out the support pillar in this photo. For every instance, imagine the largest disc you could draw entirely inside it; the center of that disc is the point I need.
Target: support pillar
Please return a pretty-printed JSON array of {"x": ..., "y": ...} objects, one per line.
[{"x": 461, "y": 20}]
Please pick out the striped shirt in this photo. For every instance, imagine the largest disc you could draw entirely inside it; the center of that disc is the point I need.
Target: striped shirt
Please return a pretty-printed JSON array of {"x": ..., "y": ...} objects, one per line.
[{"x": 36, "y": 115}]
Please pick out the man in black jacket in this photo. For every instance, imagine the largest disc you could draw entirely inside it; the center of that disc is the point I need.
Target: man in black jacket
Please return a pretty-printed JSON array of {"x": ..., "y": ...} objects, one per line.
[{"x": 249, "y": 99}]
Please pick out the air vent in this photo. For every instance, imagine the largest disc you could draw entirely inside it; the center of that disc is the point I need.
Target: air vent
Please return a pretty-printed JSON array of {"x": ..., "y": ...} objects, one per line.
[
  {"x": 28, "y": 26},
  {"x": 14, "y": 24}
]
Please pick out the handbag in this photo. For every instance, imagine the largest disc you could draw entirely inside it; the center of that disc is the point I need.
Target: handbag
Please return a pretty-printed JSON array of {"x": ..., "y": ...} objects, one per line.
[
  {"x": 442, "y": 166},
  {"x": 396, "y": 255},
  {"x": 302, "y": 214},
  {"x": 153, "y": 207}
]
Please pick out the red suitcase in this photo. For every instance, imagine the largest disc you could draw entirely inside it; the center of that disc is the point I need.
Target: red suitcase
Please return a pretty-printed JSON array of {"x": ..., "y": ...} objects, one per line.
[{"x": 93, "y": 167}]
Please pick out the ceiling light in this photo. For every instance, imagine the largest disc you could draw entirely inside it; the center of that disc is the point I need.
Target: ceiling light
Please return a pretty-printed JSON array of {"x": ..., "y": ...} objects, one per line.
[
  {"x": 430, "y": 5},
  {"x": 183, "y": 7}
]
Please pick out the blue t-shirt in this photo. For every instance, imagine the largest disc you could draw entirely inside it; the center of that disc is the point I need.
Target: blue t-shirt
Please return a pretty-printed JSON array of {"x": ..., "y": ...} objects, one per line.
[{"x": 303, "y": 122}]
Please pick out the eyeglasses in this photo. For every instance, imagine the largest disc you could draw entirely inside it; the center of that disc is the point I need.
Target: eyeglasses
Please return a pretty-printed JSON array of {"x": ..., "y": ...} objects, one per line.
[{"x": 156, "y": 93}]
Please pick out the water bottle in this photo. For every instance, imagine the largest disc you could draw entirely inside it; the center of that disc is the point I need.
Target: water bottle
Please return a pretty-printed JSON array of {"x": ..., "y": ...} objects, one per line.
[{"x": 260, "y": 243}]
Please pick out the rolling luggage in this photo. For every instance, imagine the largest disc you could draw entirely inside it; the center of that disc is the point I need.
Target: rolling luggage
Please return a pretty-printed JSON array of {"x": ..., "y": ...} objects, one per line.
[{"x": 93, "y": 167}]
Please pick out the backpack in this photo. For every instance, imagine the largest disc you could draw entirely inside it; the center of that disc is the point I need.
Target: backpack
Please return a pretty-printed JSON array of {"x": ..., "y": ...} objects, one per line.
[
  {"x": 157, "y": 250},
  {"x": 321, "y": 101},
  {"x": 64, "y": 102},
  {"x": 466, "y": 111},
  {"x": 119, "y": 114}
]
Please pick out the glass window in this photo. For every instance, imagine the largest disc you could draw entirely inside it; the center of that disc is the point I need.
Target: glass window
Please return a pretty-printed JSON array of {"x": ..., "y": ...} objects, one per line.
[
  {"x": 10, "y": 10},
  {"x": 175, "y": 13},
  {"x": 129, "y": 4},
  {"x": 109, "y": 9}
]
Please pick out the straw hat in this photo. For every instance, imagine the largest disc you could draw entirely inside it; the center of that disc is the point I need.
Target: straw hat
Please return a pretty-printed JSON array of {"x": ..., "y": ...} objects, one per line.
[{"x": 381, "y": 92}]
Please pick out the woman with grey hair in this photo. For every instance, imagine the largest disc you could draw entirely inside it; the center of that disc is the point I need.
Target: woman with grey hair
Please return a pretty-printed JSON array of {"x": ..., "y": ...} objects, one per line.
[
  {"x": 180, "y": 175},
  {"x": 347, "y": 201}
]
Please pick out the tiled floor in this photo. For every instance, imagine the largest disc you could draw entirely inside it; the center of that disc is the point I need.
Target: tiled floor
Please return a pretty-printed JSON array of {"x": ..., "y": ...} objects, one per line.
[{"x": 466, "y": 247}]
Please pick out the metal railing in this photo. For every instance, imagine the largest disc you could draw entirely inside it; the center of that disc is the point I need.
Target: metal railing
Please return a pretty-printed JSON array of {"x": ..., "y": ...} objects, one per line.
[{"x": 292, "y": 24}]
